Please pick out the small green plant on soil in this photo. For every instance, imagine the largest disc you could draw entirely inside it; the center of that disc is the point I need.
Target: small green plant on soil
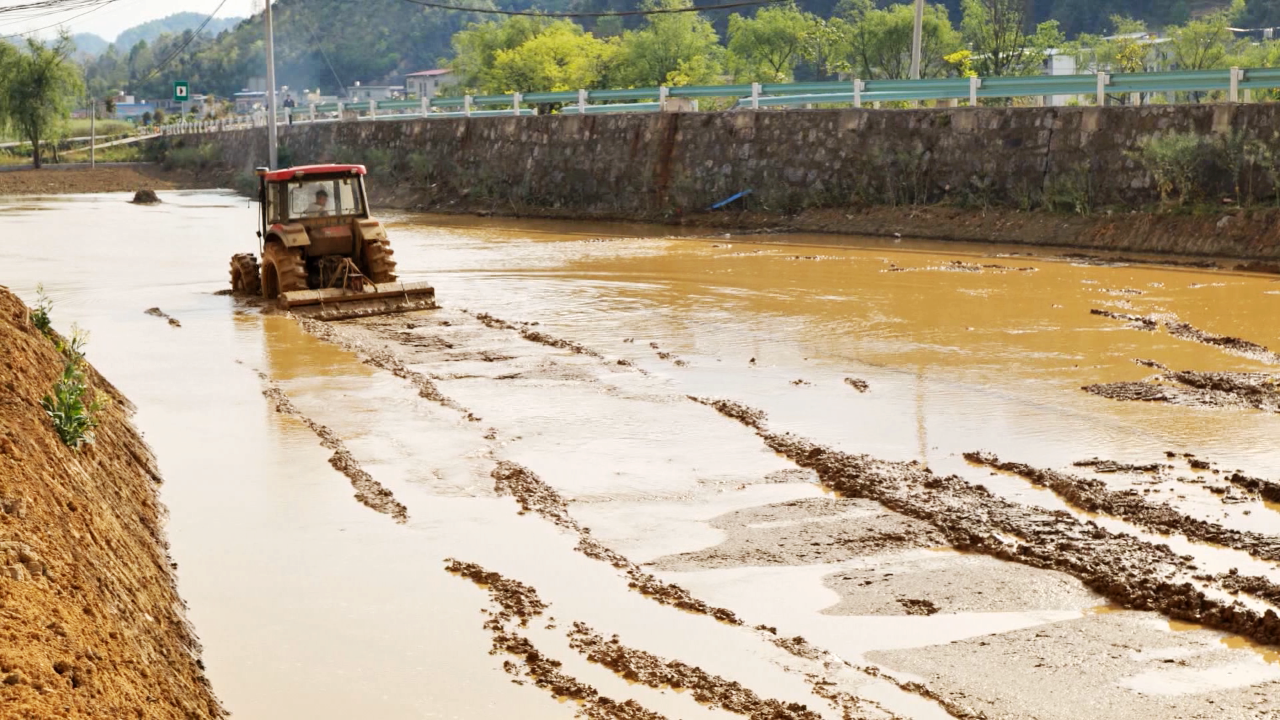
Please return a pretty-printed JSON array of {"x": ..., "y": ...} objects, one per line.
[
  {"x": 40, "y": 316},
  {"x": 72, "y": 348},
  {"x": 72, "y": 407}
]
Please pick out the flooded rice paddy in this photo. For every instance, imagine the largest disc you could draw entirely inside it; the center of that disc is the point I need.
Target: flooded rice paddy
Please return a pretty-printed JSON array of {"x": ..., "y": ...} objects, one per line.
[{"x": 540, "y": 426}]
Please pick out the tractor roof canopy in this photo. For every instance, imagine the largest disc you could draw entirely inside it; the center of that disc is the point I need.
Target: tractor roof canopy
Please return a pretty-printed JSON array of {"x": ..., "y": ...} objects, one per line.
[{"x": 302, "y": 171}]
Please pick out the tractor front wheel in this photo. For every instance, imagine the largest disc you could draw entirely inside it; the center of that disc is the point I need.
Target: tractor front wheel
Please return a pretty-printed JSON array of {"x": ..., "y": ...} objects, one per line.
[
  {"x": 245, "y": 278},
  {"x": 381, "y": 266},
  {"x": 283, "y": 270}
]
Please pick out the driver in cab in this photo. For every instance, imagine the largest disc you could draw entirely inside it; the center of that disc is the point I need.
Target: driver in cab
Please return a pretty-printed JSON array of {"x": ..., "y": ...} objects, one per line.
[{"x": 320, "y": 207}]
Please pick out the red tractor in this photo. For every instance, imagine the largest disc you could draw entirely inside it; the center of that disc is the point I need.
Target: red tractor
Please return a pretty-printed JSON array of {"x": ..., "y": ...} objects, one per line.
[{"x": 322, "y": 255}]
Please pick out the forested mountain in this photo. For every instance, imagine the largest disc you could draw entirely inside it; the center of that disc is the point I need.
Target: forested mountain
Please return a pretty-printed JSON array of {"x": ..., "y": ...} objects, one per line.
[
  {"x": 329, "y": 44},
  {"x": 176, "y": 23}
]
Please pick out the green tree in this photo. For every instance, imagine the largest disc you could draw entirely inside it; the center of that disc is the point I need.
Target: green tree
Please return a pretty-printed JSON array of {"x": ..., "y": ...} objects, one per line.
[
  {"x": 41, "y": 87},
  {"x": 769, "y": 46},
  {"x": 476, "y": 49},
  {"x": 878, "y": 44},
  {"x": 996, "y": 30},
  {"x": 673, "y": 48},
  {"x": 1203, "y": 44},
  {"x": 1119, "y": 52},
  {"x": 561, "y": 57}
]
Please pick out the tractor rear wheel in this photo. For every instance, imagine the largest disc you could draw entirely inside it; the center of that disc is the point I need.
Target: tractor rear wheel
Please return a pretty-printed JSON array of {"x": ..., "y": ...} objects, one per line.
[
  {"x": 283, "y": 270},
  {"x": 245, "y": 278},
  {"x": 381, "y": 266}
]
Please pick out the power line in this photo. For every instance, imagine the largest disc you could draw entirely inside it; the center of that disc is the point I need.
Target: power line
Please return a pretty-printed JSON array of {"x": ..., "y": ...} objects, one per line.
[
  {"x": 102, "y": 4},
  {"x": 615, "y": 13},
  {"x": 190, "y": 39}
]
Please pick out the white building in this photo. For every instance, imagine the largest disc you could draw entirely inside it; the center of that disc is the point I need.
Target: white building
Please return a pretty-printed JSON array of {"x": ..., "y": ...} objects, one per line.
[{"x": 428, "y": 83}]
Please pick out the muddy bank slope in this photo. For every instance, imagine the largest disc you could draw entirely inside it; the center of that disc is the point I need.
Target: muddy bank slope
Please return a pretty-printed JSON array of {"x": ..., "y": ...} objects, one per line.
[{"x": 91, "y": 624}]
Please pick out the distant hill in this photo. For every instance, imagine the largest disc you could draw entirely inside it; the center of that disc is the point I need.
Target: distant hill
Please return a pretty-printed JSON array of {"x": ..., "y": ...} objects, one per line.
[
  {"x": 176, "y": 23},
  {"x": 88, "y": 44}
]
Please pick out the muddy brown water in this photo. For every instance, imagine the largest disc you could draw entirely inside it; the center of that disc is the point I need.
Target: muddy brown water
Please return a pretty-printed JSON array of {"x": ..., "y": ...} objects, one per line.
[{"x": 310, "y": 604}]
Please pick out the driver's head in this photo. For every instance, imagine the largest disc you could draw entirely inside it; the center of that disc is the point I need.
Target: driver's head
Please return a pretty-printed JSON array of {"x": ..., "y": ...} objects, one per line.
[{"x": 322, "y": 197}]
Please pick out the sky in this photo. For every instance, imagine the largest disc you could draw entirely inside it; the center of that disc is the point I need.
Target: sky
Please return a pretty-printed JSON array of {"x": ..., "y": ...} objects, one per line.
[{"x": 109, "y": 20}]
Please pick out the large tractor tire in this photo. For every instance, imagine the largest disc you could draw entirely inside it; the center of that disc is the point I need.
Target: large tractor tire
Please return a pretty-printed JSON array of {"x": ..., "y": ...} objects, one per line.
[
  {"x": 245, "y": 277},
  {"x": 283, "y": 270},
  {"x": 381, "y": 267}
]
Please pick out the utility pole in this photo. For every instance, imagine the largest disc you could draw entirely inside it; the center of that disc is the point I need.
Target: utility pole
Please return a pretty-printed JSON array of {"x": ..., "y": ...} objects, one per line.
[
  {"x": 917, "y": 39},
  {"x": 272, "y": 148}
]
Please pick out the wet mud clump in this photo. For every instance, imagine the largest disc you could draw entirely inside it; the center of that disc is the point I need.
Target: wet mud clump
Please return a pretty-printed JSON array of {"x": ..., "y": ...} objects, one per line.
[
  {"x": 859, "y": 385},
  {"x": 369, "y": 492},
  {"x": 1257, "y": 391},
  {"x": 1094, "y": 496},
  {"x": 1128, "y": 571},
  {"x": 641, "y": 667},
  {"x": 536, "y": 496},
  {"x": 528, "y": 333},
  {"x": 385, "y": 360},
  {"x": 157, "y": 312},
  {"x": 91, "y": 623},
  {"x": 517, "y": 604},
  {"x": 1268, "y": 490}
]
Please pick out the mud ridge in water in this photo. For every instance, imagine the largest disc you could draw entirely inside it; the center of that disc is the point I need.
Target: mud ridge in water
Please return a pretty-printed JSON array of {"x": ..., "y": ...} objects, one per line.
[
  {"x": 385, "y": 360},
  {"x": 536, "y": 496},
  {"x": 370, "y": 492},
  {"x": 641, "y": 667},
  {"x": 1187, "y": 331},
  {"x": 802, "y": 648},
  {"x": 1233, "y": 345},
  {"x": 528, "y": 333},
  {"x": 518, "y": 603},
  {"x": 1129, "y": 505},
  {"x": 1136, "y": 322},
  {"x": 1188, "y": 388},
  {"x": 1253, "y": 585},
  {"x": 1122, "y": 568},
  {"x": 1099, "y": 465},
  {"x": 1268, "y": 490}
]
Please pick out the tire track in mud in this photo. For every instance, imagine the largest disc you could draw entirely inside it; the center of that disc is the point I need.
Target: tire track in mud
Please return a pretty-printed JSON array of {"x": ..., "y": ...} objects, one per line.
[
  {"x": 536, "y": 496},
  {"x": 1124, "y": 569},
  {"x": 526, "y": 331},
  {"x": 1094, "y": 496},
  {"x": 802, "y": 648},
  {"x": 647, "y": 669},
  {"x": 384, "y": 360},
  {"x": 519, "y": 603},
  {"x": 369, "y": 492}
]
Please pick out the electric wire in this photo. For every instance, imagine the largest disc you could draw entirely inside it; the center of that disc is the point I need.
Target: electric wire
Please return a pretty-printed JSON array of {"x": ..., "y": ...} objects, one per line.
[
  {"x": 57, "y": 24},
  {"x": 609, "y": 13}
]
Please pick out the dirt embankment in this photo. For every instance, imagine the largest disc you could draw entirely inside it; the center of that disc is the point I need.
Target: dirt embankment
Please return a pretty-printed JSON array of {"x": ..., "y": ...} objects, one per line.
[
  {"x": 91, "y": 624},
  {"x": 129, "y": 178}
]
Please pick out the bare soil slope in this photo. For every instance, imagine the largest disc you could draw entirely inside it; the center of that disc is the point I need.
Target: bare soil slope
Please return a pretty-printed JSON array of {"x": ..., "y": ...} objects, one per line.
[{"x": 91, "y": 624}]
